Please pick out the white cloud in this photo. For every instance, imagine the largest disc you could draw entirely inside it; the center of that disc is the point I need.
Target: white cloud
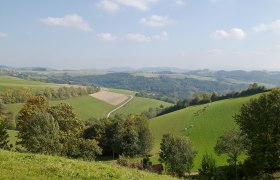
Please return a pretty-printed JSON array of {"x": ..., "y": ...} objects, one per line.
[
  {"x": 236, "y": 33},
  {"x": 180, "y": 2},
  {"x": 106, "y": 37},
  {"x": 3, "y": 35},
  {"x": 156, "y": 21},
  {"x": 108, "y": 5},
  {"x": 162, "y": 35},
  {"x": 271, "y": 27},
  {"x": 114, "y": 5},
  {"x": 138, "y": 37},
  {"x": 71, "y": 20}
]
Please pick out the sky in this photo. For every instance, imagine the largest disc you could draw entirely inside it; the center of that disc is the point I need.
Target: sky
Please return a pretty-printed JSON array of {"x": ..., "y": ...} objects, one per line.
[{"x": 96, "y": 34}]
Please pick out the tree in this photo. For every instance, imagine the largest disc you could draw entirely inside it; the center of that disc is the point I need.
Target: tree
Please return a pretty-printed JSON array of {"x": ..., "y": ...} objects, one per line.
[
  {"x": 85, "y": 149},
  {"x": 260, "y": 121},
  {"x": 27, "y": 113},
  {"x": 67, "y": 120},
  {"x": 144, "y": 135},
  {"x": 42, "y": 134},
  {"x": 177, "y": 153},
  {"x": 232, "y": 143},
  {"x": 4, "y": 137},
  {"x": 208, "y": 167},
  {"x": 127, "y": 135}
]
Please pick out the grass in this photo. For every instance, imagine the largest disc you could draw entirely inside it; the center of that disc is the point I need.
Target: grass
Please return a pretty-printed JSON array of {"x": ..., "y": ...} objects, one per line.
[
  {"x": 203, "y": 127},
  {"x": 138, "y": 105},
  {"x": 8, "y": 82},
  {"x": 122, "y": 91},
  {"x": 85, "y": 107},
  {"x": 30, "y": 166},
  {"x": 13, "y": 137}
]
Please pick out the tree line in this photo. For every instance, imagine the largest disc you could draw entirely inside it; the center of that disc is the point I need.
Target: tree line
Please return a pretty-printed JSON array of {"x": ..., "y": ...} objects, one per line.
[
  {"x": 56, "y": 130},
  {"x": 22, "y": 94},
  {"x": 204, "y": 98},
  {"x": 163, "y": 87}
]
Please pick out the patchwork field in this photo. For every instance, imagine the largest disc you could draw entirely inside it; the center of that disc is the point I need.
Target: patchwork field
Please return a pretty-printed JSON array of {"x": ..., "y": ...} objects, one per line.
[
  {"x": 202, "y": 123},
  {"x": 110, "y": 97}
]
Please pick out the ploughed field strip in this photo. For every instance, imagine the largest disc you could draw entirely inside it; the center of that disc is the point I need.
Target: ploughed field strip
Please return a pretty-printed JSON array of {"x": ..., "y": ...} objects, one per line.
[{"x": 110, "y": 97}]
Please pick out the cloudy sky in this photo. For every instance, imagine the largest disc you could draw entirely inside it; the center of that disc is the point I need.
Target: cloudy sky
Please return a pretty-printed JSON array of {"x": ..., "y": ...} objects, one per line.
[{"x": 189, "y": 34}]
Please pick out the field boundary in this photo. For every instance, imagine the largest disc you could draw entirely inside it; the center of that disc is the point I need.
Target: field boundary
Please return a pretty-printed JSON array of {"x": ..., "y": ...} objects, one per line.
[{"x": 131, "y": 97}]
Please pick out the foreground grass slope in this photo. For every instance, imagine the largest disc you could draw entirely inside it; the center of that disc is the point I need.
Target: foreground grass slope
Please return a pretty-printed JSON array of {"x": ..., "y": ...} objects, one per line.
[
  {"x": 202, "y": 123},
  {"x": 30, "y": 166}
]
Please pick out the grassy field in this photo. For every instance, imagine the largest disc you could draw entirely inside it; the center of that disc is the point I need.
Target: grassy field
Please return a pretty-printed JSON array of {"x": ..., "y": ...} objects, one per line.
[
  {"x": 202, "y": 123},
  {"x": 85, "y": 107},
  {"x": 8, "y": 82},
  {"x": 138, "y": 105},
  {"x": 30, "y": 166},
  {"x": 12, "y": 137}
]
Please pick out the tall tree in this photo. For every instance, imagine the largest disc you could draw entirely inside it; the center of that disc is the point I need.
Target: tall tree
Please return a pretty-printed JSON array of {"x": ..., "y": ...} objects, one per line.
[
  {"x": 260, "y": 121},
  {"x": 208, "y": 167},
  {"x": 177, "y": 153},
  {"x": 232, "y": 143},
  {"x": 4, "y": 137},
  {"x": 27, "y": 113},
  {"x": 42, "y": 135}
]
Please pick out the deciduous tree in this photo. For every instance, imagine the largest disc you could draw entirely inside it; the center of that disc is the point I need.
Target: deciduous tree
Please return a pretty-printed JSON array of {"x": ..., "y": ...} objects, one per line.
[
  {"x": 177, "y": 153},
  {"x": 260, "y": 121}
]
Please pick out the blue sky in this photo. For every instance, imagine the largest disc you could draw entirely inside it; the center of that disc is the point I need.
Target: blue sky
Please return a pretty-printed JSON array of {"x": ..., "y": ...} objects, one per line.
[{"x": 189, "y": 34}]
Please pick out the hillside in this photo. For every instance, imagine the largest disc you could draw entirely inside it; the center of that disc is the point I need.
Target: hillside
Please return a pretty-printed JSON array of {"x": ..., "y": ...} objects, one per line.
[
  {"x": 30, "y": 166},
  {"x": 85, "y": 106},
  {"x": 202, "y": 123},
  {"x": 8, "y": 82}
]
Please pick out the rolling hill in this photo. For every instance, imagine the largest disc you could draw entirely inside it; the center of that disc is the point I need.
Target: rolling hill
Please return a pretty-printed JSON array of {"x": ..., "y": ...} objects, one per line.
[
  {"x": 203, "y": 124},
  {"x": 85, "y": 106},
  {"x": 30, "y": 166},
  {"x": 9, "y": 82}
]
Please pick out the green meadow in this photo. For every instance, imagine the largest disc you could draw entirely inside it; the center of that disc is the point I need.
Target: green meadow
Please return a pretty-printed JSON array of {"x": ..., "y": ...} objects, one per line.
[
  {"x": 8, "y": 82},
  {"x": 138, "y": 105},
  {"x": 203, "y": 124}
]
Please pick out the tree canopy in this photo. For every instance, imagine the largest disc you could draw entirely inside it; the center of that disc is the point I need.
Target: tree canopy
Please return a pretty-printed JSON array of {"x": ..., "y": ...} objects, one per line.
[{"x": 260, "y": 121}]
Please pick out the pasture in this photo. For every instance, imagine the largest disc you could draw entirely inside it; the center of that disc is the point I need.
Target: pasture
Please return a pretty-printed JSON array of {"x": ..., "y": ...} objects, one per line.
[
  {"x": 139, "y": 104},
  {"x": 8, "y": 82},
  {"x": 85, "y": 107},
  {"x": 203, "y": 124}
]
